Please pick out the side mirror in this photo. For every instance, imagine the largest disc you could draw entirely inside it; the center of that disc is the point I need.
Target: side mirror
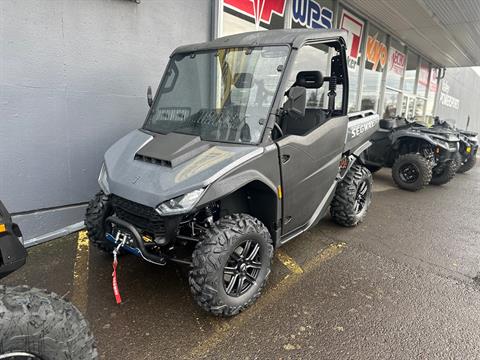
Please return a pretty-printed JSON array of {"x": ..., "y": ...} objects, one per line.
[
  {"x": 149, "y": 96},
  {"x": 297, "y": 101}
]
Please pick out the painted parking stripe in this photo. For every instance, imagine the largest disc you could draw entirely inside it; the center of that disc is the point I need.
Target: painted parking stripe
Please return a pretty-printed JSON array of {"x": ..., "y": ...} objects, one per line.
[
  {"x": 80, "y": 273},
  {"x": 288, "y": 261}
]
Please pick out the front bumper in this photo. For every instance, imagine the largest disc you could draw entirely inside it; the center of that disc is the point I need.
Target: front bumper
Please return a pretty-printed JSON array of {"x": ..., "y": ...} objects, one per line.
[{"x": 135, "y": 243}]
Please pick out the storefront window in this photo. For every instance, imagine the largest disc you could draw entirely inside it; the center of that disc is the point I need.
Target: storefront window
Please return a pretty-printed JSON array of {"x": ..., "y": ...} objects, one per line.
[
  {"x": 390, "y": 104},
  {"x": 242, "y": 16},
  {"x": 396, "y": 64},
  {"x": 355, "y": 28},
  {"x": 375, "y": 62},
  {"x": 411, "y": 73},
  {"x": 312, "y": 14}
]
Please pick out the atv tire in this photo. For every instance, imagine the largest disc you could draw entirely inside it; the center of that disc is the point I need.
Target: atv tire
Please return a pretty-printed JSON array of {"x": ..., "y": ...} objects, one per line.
[
  {"x": 42, "y": 324},
  {"x": 468, "y": 165},
  {"x": 418, "y": 168},
  {"x": 99, "y": 208},
  {"x": 352, "y": 197},
  {"x": 445, "y": 173},
  {"x": 231, "y": 265},
  {"x": 458, "y": 161}
]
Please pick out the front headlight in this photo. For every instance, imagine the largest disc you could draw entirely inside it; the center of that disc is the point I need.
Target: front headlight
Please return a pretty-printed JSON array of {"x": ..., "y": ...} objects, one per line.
[
  {"x": 180, "y": 204},
  {"x": 102, "y": 180}
]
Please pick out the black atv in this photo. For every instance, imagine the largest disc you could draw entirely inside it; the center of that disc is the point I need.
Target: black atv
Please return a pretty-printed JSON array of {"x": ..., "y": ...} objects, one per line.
[
  {"x": 466, "y": 157},
  {"x": 35, "y": 324},
  {"x": 417, "y": 155}
]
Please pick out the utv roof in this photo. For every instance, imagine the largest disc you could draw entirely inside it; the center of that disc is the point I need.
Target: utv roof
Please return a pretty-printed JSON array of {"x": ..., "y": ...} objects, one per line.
[{"x": 292, "y": 37}]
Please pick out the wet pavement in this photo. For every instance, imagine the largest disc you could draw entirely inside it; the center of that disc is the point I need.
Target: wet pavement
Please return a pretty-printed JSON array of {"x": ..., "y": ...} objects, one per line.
[{"x": 399, "y": 286}]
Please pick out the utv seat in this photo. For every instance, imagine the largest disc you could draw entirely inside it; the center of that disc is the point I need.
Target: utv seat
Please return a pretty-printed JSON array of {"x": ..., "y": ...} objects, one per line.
[{"x": 301, "y": 125}]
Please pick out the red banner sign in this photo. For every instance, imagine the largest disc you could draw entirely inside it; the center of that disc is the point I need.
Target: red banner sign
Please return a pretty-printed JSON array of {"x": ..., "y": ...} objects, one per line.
[{"x": 260, "y": 10}]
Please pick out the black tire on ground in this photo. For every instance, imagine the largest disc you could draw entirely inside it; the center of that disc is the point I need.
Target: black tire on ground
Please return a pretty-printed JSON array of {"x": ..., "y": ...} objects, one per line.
[
  {"x": 468, "y": 165},
  {"x": 420, "y": 171},
  {"x": 236, "y": 247},
  {"x": 458, "y": 161},
  {"x": 42, "y": 324},
  {"x": 352, "y": 197},
  {"x": 444, "y": 173},
  {"x": 99, "y": 208},
  {"x": 373, "y": 168}
]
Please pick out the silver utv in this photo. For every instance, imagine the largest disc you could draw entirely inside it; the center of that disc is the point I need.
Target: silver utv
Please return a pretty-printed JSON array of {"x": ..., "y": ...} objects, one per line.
[{"x": 234, "y": 160}]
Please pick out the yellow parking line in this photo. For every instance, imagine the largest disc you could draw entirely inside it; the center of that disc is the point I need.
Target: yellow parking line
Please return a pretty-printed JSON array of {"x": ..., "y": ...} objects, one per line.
[
  {"x": 289, "y": 263},
  {"x": 223, "y": 327},
  {"x": 80, "y": 273}
]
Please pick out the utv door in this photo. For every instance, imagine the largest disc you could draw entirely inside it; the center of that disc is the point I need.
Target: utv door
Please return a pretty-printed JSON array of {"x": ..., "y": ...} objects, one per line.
[{"x": 311, "y": 147}]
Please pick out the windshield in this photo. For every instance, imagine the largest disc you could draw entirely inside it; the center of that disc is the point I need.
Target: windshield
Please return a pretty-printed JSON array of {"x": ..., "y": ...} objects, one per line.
[{"x": 220, "y": 95}]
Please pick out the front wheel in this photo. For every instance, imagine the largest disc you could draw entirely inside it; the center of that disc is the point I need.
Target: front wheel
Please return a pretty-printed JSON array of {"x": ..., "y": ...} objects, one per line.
[
  {"x": 412, "y": 172},
  {"x": 231, "y": 265},
  {"x": 352, "y": 197},
  {"x": 467, "y": 165},
  {"x": 443, "y": 173},
  {"x": 40, "y": 325},
  {"x": 98, "y": 210}
]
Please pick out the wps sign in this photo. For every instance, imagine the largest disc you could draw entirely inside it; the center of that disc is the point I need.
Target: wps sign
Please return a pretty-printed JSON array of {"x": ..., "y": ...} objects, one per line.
[
  {"x": 354, "y": 26},
  {"x": 311, "y": 14}
]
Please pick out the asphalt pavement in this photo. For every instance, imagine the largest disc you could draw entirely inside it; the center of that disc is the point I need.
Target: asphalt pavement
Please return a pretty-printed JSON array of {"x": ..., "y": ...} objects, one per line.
[{"x": 401, "y": 285}]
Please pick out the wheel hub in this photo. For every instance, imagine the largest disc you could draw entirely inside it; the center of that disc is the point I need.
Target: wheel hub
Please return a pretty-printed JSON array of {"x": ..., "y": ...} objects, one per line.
[
  {"x": 242, "y": 268},
  {"x": 409, "y": 173},
  {"x": 361, "y": 197}
]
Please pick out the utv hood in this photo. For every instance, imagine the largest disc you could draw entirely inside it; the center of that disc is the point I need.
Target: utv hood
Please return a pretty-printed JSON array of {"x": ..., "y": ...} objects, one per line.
[{"x": 150, "y": 169}]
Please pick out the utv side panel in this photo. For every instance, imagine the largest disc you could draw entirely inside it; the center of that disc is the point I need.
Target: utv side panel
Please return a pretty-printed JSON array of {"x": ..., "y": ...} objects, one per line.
[{"x": 361, "y": 126}]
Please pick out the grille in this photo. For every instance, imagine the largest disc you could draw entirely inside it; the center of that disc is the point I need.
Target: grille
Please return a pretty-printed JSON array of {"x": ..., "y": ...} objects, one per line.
[{"x": 142, "y": 217}]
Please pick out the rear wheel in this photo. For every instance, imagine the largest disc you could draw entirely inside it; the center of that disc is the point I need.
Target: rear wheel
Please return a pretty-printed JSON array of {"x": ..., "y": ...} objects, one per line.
[
  {"x": 231, "y": 265},
  {"x": 99, "y": 208},
  {"x": 468, "y": 165},
  {"x": 412, "y": 172},
  {"x": 352, "y": 197},
  {"x": 443, "y": 173},
  {"x": 40, "y": 325}
]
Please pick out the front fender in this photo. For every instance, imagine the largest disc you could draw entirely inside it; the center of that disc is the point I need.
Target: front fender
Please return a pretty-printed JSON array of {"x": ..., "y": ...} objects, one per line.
[{"x": 231, "y": 183}]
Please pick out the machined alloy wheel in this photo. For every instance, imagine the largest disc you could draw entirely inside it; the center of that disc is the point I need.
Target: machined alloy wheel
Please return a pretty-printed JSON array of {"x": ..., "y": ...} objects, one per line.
[{"x": 242, "y": 268}]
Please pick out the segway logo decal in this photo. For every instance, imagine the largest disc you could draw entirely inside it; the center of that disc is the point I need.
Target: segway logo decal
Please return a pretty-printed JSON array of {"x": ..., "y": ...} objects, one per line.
[
  {"x": 361, "y": 128},
  {"x": 260, "y": 10},
  {"x": 202, "y": 162}
]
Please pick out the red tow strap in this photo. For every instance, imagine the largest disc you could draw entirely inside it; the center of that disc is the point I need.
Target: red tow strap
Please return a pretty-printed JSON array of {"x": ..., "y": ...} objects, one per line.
[{"x": 116, "y": 292}]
